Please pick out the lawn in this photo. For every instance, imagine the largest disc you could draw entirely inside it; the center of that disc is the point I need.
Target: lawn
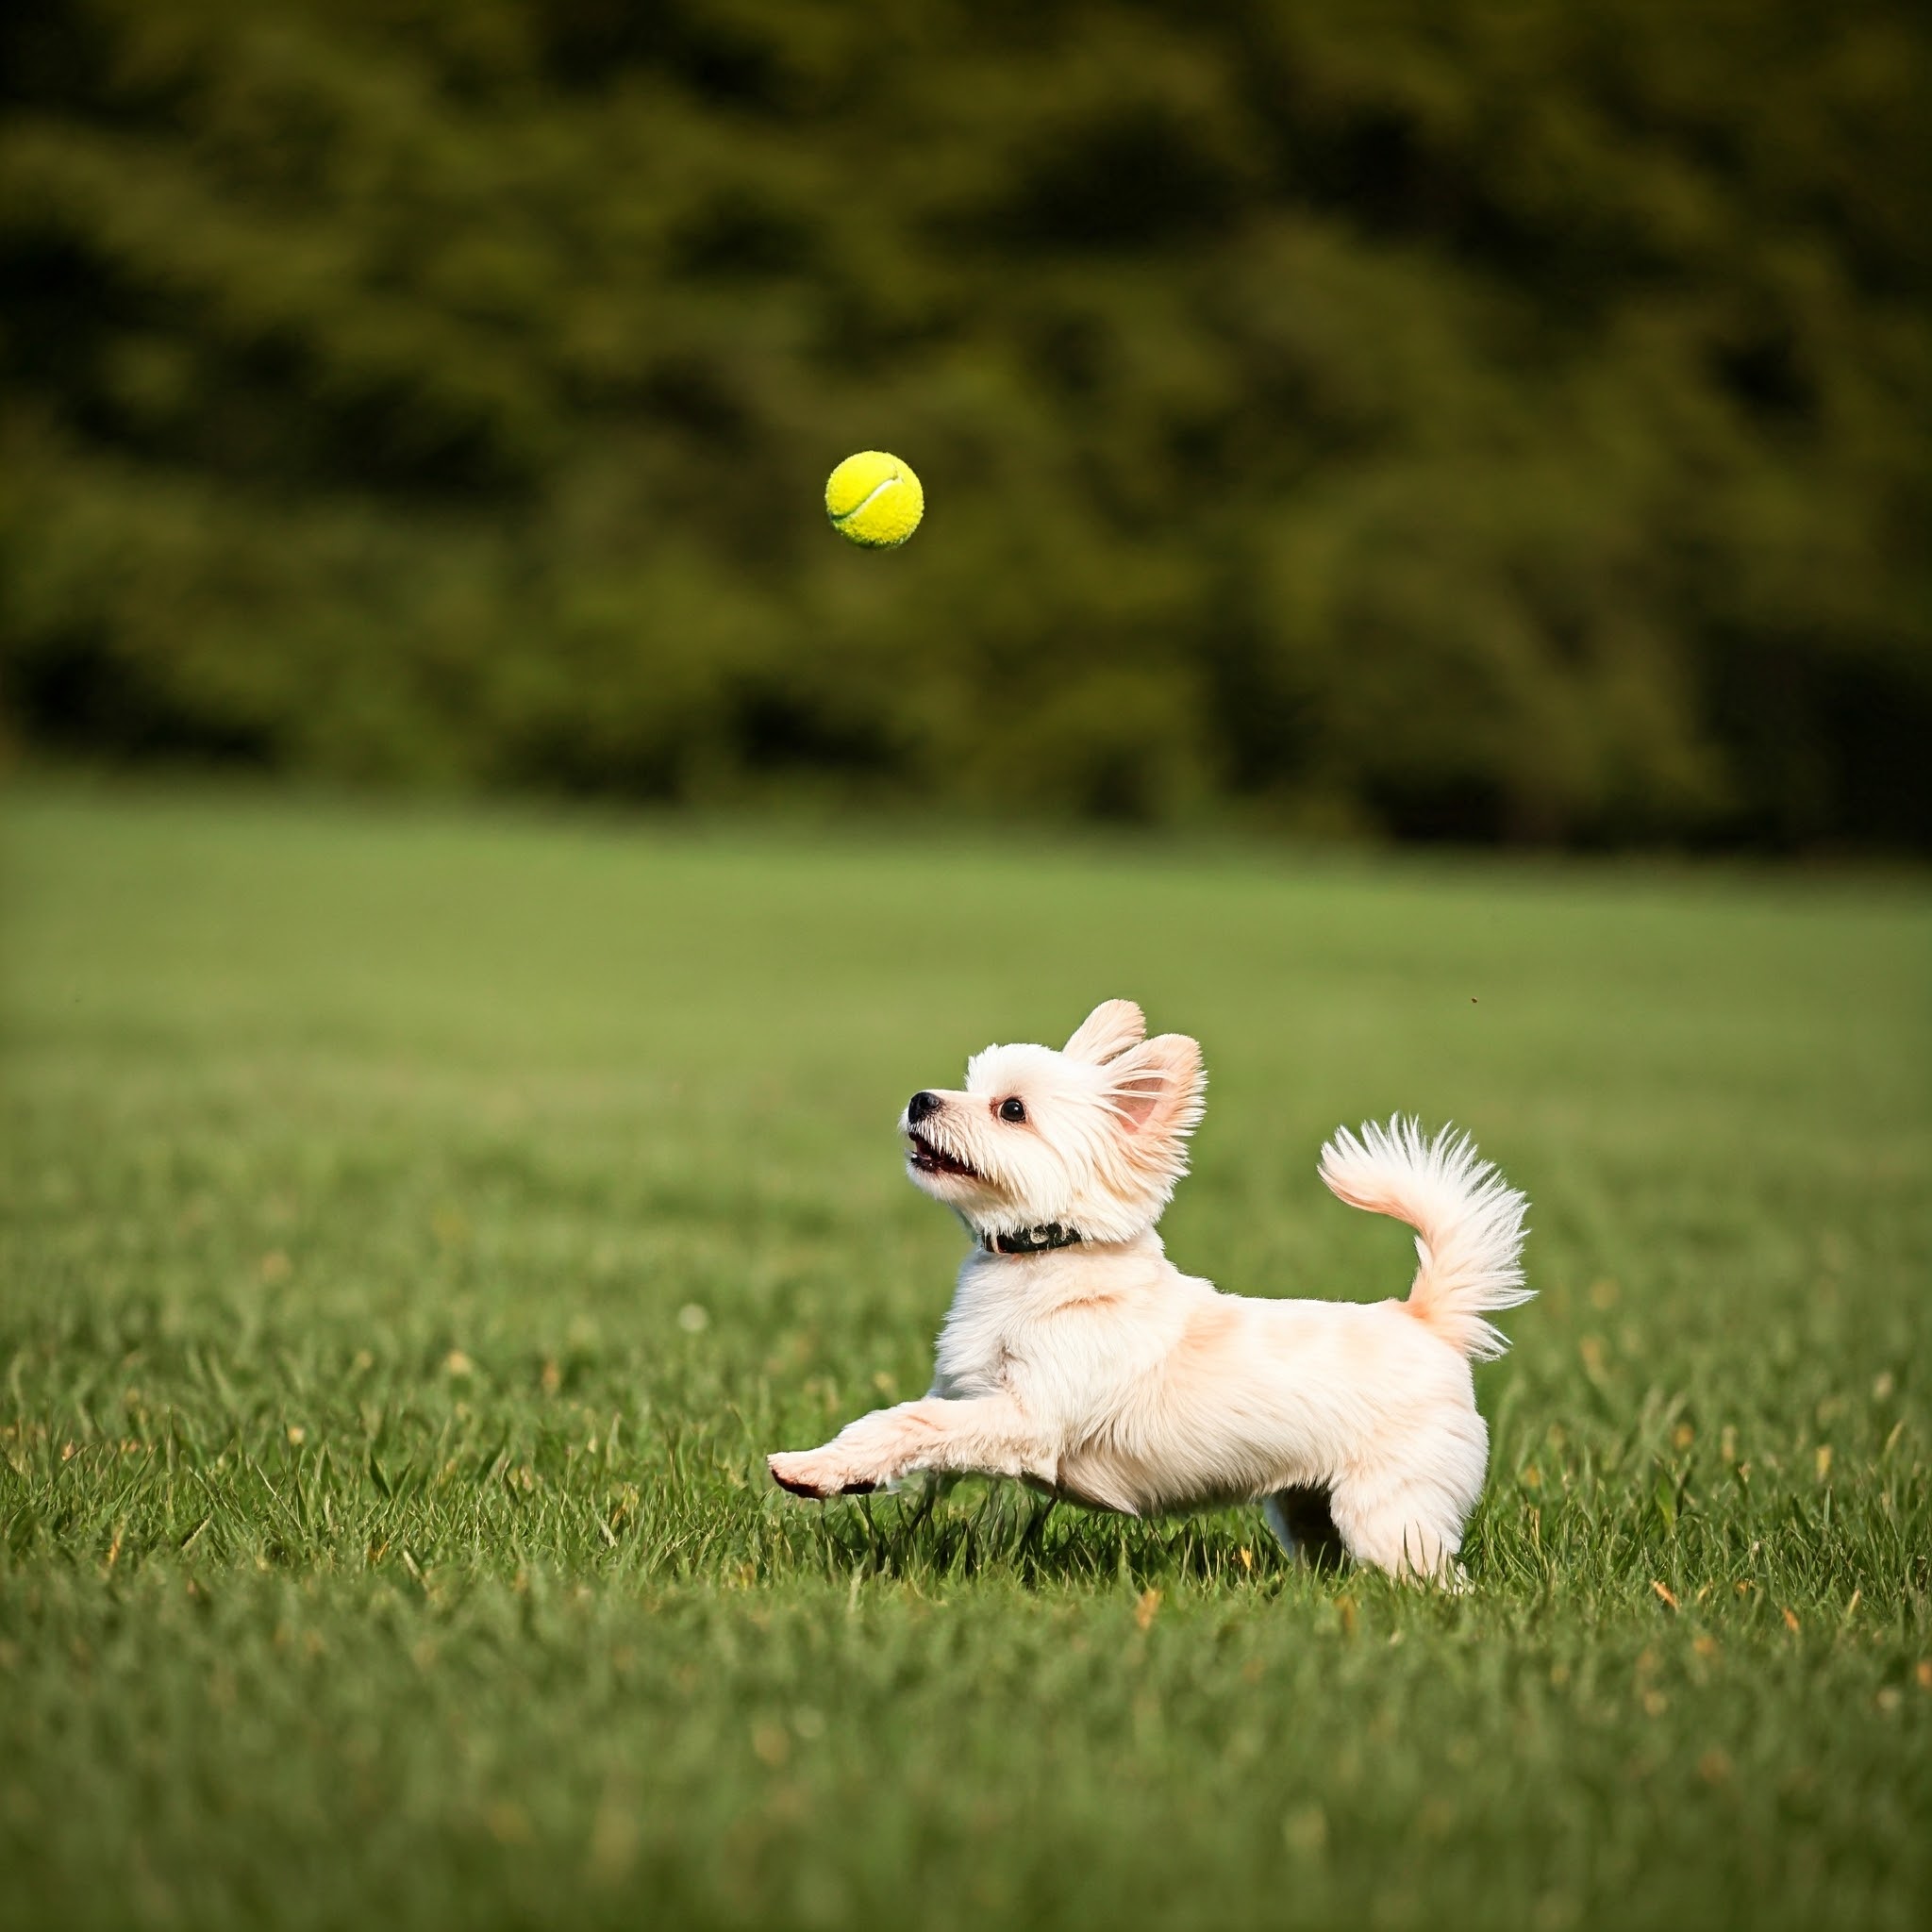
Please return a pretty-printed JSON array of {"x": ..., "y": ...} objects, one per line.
[{"x": 416, "y": 1227}]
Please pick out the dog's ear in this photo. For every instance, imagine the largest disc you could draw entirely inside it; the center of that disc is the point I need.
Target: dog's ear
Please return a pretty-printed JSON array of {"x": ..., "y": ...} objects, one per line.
[
  {"x": 1158, "y": 1091},
  {"x": 1107, "y": 1032}
]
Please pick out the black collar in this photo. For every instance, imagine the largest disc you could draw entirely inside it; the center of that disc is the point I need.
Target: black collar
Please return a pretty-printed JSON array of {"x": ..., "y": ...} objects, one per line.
[{"x": 1031, "y": 1240}]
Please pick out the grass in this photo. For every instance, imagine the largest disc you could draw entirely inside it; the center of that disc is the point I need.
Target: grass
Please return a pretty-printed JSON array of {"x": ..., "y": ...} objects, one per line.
[{"x": 416, "y": 1229}]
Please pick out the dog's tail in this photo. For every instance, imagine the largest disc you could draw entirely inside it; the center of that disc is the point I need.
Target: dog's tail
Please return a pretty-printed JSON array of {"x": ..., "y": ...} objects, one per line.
[{"x": 1468, "y": 1224}]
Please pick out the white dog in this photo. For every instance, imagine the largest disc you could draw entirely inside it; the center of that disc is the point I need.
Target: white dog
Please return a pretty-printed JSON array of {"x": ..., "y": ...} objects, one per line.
[{"x": 1077, "y": 1358}]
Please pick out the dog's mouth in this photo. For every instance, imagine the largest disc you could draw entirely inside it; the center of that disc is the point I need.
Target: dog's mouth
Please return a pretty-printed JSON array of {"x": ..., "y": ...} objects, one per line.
[{"x": 930, "y": 1159}]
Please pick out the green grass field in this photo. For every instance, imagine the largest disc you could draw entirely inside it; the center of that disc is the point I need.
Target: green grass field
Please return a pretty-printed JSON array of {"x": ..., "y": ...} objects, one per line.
[{"x": 416, "y": 1227}]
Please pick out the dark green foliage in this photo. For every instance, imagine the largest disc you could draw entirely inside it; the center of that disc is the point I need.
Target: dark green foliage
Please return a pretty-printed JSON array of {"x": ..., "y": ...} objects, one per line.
[{"x": 1452, "y": 417}]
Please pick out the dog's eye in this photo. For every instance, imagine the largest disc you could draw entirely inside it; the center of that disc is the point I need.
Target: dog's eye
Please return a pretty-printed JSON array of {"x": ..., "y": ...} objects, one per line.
[{"x": 1014, "y": 1110}]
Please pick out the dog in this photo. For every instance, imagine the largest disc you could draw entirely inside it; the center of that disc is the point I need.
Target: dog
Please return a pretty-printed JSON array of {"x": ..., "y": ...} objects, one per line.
[{"x": 1077, "y": 1358}]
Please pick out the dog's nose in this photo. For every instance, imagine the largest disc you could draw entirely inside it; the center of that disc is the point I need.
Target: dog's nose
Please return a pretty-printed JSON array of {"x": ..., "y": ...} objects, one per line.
[{"x": 921, "y": 1105}]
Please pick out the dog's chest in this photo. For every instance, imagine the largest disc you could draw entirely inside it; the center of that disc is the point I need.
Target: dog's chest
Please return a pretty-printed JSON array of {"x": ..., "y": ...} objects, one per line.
[
  {"x": 980, "y": 1345},
  {"x": 1058, "y": 1334}
]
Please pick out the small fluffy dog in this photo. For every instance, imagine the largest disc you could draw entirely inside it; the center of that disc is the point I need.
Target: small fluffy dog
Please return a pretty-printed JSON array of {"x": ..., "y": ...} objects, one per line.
[{"x": 1078, "y": 1359}]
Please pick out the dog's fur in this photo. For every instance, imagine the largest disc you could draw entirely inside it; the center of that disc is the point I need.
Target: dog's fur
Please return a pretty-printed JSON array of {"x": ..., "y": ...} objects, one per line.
[{"x": 1096, "y": 1369}]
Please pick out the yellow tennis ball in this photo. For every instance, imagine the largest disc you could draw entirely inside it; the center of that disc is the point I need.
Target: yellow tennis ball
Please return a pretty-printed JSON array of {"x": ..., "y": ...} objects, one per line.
[{"x": 874, "y": 500}]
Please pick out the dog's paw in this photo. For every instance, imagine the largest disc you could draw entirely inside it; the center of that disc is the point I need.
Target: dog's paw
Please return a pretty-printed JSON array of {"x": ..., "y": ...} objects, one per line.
[
  {"x": 796, "y": 1472},
  {"x": 811, "y": 1473}
]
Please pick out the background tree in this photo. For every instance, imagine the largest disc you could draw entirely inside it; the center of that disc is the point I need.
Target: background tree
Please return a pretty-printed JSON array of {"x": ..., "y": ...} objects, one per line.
[{"x": 1449, "y": 417}]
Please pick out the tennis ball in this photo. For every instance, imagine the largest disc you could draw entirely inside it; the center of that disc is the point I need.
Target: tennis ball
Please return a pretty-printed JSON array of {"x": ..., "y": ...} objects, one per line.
[{"x": 874, "y": 500}]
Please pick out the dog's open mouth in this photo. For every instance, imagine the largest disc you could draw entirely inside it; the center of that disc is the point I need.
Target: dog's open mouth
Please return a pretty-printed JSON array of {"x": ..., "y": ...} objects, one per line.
[{"x": 929, "y": 1158}]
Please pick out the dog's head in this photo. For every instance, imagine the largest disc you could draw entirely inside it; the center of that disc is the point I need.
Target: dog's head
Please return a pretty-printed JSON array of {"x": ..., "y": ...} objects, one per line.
[{"x": 1092, "y": 1137}]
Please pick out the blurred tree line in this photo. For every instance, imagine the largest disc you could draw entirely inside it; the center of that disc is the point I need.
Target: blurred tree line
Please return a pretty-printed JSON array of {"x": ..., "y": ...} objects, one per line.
[{"x": 1469, "y": 417}]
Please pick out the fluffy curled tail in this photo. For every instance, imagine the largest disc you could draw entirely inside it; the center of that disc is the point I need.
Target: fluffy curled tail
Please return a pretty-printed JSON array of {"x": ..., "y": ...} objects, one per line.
[{"x": 1468, "y": 1224}]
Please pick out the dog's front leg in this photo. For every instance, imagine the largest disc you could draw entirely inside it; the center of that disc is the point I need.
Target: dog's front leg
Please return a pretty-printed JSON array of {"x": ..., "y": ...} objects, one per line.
[{"x": 987, "y": 1435}]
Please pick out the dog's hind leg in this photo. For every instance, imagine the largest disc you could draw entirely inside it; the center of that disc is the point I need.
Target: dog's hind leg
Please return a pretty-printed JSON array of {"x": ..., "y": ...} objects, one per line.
[
  {"x": 1409, "y": 1526},
  {"x": 1304, "y": 1526}
]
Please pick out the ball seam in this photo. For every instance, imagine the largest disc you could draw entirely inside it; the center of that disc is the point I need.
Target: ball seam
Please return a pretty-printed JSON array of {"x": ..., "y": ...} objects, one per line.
[{"x": 871, "y": 497}]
